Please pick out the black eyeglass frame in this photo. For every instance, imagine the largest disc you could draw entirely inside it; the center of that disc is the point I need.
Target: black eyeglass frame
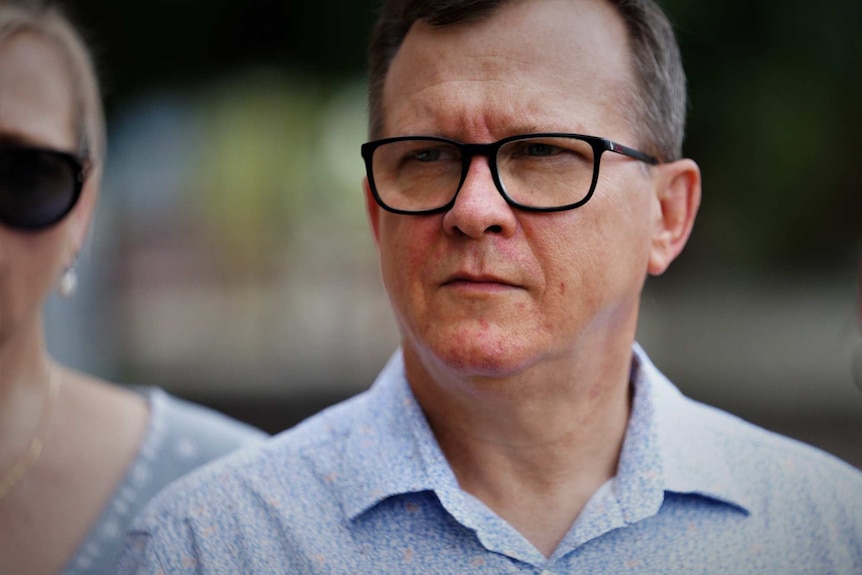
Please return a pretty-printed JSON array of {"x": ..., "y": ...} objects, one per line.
[
  {"x": 468, "y": 151},
  {"x": 80, "y": 168}
]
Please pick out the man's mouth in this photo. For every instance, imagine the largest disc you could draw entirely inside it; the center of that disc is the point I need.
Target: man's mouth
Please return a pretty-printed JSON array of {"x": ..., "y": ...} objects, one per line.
[{"x": 479, "y": 282}]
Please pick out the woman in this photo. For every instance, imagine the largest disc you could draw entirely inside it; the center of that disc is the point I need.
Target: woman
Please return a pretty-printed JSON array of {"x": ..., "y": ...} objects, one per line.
[{"x": 78, "y": 456}]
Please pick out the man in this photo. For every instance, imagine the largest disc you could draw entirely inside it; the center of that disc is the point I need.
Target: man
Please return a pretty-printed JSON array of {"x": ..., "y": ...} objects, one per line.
[{"x": 519, "y": 429}]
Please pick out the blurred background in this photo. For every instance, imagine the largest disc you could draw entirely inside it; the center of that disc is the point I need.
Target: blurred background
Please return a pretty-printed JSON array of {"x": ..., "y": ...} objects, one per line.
[{"x": 230, "y": 261}]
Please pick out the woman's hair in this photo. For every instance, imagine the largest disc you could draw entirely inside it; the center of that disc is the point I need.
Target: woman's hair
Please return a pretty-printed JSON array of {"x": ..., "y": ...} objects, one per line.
[
  {"x": 49, "y": 23},
  {"x": 658, "y": 98}
]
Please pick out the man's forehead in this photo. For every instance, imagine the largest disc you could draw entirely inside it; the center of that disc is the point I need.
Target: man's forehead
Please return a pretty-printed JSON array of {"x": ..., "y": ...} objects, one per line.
[{"x": 513, "y": 64}]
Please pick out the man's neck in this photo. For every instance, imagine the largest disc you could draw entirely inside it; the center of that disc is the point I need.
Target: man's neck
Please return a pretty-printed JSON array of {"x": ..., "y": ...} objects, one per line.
[{"x": 536, "y": 446}]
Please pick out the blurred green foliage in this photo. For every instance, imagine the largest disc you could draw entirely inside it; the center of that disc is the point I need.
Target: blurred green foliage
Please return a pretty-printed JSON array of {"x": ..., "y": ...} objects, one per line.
[{"x": 775, "y": 114}]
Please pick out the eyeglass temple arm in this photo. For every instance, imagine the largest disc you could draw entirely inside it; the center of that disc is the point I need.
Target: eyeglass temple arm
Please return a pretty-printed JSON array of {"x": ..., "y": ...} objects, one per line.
[{"x": 631, "y": 152}]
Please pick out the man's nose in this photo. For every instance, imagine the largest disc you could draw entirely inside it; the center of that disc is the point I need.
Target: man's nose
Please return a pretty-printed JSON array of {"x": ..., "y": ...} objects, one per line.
[{"x": 479, "y": 207}]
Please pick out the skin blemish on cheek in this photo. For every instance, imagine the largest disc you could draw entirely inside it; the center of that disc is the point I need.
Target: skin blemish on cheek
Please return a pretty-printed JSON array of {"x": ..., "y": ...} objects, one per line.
[{"x": 562, "y": 288}]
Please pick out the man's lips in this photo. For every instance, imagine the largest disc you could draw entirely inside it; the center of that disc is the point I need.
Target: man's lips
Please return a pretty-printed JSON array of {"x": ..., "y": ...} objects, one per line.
[{"x": 480, "y": 281}]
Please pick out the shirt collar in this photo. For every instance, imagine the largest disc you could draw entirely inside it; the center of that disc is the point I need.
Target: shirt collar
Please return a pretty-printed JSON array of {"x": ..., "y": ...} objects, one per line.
[
  {"x": 391, "y": 450},
  {"x": 692, "y": 444}
]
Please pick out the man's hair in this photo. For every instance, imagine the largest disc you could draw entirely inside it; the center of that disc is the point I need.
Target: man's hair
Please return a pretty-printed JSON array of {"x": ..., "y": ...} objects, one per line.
[
  {"x": 658, "y": 98},
  {"x": 50, "y": 24}
]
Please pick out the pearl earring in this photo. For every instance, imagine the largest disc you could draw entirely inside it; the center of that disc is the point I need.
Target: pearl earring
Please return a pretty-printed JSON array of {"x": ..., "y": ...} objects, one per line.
[{"x": 68, "y": 282}]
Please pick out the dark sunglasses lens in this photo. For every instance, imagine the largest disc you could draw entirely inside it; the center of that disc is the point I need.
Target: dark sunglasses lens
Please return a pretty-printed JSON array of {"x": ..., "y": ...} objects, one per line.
[{"x": 37, "y": 188}]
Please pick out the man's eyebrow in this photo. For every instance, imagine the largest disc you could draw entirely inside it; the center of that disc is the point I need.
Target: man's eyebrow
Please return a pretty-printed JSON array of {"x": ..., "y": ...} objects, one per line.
[{"x": 546, "y": 128}]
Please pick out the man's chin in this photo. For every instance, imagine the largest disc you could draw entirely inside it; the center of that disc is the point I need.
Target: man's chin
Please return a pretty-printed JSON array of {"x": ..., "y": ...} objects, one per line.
[{"x": 480, "y": 358}]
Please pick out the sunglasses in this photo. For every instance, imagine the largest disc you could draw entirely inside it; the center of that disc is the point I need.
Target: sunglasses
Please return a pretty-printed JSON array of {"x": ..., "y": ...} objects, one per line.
[{"x": 38, "y": 187}]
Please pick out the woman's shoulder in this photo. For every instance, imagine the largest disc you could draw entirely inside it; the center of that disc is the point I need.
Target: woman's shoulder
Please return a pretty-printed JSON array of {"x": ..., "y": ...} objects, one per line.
[
  {"x": 178, "y": 437},
  {"x": 189, "y": 430}
]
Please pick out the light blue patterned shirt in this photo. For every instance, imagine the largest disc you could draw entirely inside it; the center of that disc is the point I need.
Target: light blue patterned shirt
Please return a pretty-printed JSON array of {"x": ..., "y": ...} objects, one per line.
[{"x": 363, "y": 488}]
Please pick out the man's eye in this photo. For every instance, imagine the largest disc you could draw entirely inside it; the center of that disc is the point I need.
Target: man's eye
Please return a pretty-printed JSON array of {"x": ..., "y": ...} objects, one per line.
[
  {"x": 427, "y": 155},
  {"x": 533, "y": 150},
  {"x": 540, "y": 150}
]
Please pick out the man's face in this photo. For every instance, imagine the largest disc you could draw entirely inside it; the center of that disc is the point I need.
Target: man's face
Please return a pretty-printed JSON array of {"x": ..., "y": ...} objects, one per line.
[{"x": 485, "y": 289}]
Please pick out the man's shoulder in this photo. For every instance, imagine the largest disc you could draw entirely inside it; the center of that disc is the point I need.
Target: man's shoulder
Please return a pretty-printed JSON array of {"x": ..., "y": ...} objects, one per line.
[
  {"x": 279, "y": 466},
  {"x": 746, "y": 441},
  {"x": 766, "y": 466},
  {"x": 690, "y": 430}
]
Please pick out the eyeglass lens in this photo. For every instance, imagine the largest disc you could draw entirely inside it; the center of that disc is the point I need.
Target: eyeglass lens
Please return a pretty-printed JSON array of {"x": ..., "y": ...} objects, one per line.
[
  {"x": 37, "y": 187},
  {"x": 539, "y": 172}
]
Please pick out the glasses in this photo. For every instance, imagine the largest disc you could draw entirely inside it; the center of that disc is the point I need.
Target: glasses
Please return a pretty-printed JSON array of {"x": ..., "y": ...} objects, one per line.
[
  {"x": 535, "y": 172},
  {"x": 38, "y": 187}
]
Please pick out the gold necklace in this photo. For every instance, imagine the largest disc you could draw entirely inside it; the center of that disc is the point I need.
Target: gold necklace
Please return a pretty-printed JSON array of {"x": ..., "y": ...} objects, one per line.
[{"x": 31, "y": 456}]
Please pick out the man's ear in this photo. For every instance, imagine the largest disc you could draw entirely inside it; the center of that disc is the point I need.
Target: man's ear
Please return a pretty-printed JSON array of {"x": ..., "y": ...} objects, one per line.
[
  {"x": 678, "y": 196},
  {"x": 372, "y": 209}
]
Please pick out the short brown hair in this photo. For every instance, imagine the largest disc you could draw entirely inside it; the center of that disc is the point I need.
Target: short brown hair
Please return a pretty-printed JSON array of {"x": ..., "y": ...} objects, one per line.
[
  {"x": 659, "y": 98},
  {"x": 49, "y": 23}
]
